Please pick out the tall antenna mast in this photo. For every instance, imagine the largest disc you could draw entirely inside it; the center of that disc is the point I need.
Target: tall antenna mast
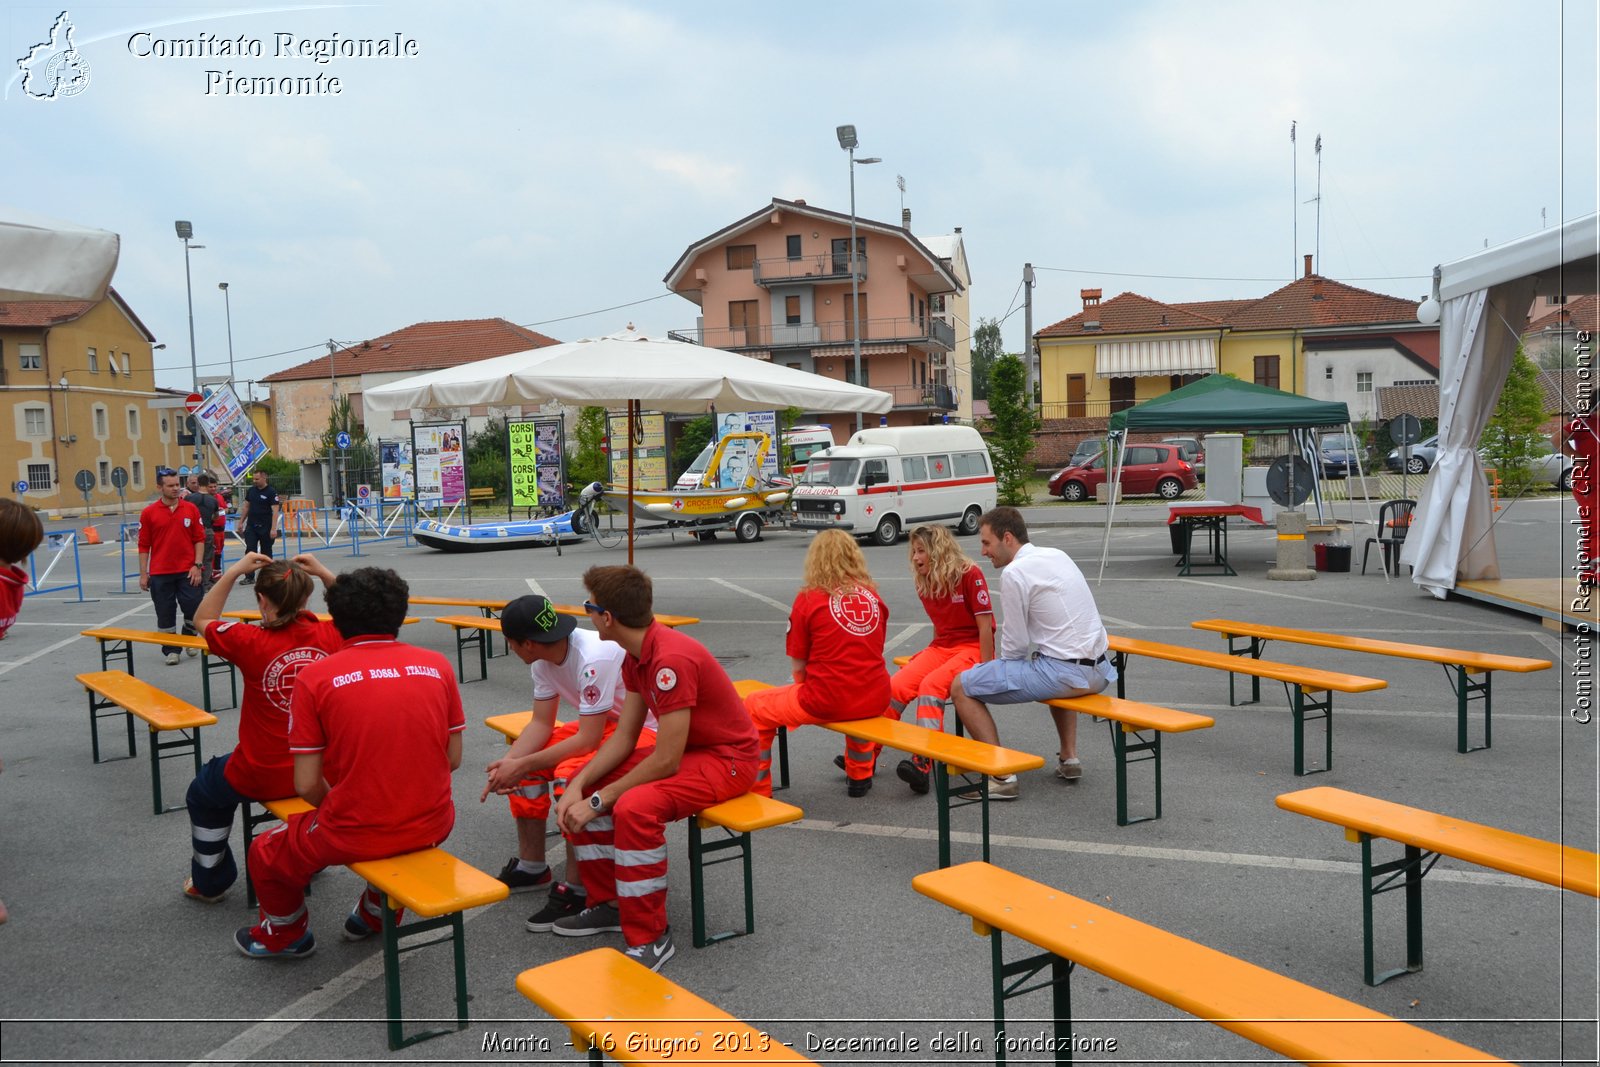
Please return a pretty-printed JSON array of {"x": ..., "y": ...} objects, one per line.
[
  {"x": 900, "y": 180},
  {"x": 1317, "y": 249},
  {"x": 1294, "y": 200}
]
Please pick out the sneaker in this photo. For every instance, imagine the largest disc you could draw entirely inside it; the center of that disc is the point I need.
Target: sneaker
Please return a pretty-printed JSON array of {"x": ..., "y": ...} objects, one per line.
[
  {"x": 859, "y": 787},
  {"x": 194, "y": 894},
  {"x": 192, "y": 652},
  {"x": 600, "y": 919},
  {"x": 172, "y": 659},
  {"x": 521, "y": 881},
  {"x": 654, "y": 954},
  {"x": 562, "y": 903},
  {"x": 1069, "y": 771},
  {"x": 999, "y": 789},
  {"x": 355, "y": 927},
  {"x": 246, "y": 943},
  {"x": 914, "y": 776},
  {"x": 248, "y": 579}
]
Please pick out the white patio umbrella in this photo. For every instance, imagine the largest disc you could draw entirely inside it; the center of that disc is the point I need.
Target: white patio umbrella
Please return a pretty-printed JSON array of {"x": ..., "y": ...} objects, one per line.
[
  {"x": 44, "y": 259},
  {"x": 629, "y": 368}
]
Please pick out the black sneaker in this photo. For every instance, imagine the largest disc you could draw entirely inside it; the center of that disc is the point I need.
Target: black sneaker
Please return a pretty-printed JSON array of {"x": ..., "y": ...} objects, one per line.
[
  {"x": 521, "y": 881},
  {"x": 248, "y": 579},
  {"x": 859, "y": 787},
  {"x": 245, "y": 942},
  {"x": 355, "y": 927},
  {"x": 654, "y": 954},
  {"x": 600, "y": 919},
  {"x": 562, "y": 903},
  {"x": 914, "y": 776}
]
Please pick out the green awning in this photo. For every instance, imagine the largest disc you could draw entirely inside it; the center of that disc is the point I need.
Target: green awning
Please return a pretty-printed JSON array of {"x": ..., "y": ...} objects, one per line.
[{"x": 1218, "y": 402}]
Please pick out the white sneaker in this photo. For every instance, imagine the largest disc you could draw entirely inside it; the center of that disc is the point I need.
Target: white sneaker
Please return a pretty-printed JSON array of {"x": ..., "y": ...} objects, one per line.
[
  {"x": 172, "y": 659},
  {"x": 999, "y": 789}
]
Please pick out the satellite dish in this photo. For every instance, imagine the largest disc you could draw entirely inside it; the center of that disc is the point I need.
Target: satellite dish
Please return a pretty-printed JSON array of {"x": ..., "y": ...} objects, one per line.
[{"x": 1289, "y": 481}]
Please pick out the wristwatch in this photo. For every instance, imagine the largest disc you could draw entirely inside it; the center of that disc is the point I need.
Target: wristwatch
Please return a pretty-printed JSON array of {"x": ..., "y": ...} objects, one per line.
[{"x": 596, "y": 803}]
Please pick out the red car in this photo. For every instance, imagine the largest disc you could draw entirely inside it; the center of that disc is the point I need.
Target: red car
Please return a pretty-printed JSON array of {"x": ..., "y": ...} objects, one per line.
[{"x": 1159, "y": 469}]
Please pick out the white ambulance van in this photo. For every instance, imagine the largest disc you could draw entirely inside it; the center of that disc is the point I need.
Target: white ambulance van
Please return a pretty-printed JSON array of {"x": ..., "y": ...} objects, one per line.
[
  {"x": 887, "y": 479},
  {"x": 803, "y": 443}
]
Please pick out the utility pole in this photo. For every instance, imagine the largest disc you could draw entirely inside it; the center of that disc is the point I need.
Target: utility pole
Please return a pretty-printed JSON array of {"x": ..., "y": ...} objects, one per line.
[
  {"x": 1027, "y": 328},
  {"x": 1294, "y": 201}
]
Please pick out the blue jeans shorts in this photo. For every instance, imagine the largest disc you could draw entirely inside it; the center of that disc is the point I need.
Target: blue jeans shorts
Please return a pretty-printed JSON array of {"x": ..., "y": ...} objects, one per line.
[{"x": 1018, "y": 681}]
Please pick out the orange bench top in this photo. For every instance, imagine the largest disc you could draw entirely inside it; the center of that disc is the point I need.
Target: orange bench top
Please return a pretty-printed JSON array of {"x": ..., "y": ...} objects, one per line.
[
  {"x": 432, "y": 882},
  {"x": 252, "y": 615},
  {"x": 1132, "y": 714},
  {"x": 478, "y": 622},
  {"x": 1487, "y": 846},
  {"x": 1477, "y": 661},
  {"x": 605, "y": 999},
  {"x": 1278, "y": 1013},
  {"x": 146, "y": 637},
  {"x": 1308, "y": 677},
  {"x": 160, "y": 709}
]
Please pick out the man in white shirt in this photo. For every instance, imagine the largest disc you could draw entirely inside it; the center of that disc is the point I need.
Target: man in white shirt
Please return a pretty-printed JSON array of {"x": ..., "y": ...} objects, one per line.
[
  {"x": 569, "y": 664},
  {"x": 1052, "y": 642}
]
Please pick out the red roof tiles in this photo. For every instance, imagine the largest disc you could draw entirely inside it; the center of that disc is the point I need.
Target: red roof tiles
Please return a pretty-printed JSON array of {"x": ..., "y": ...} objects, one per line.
[
  {"x": 1580, "y": 314},
  {"x": 422, "y": 346}
]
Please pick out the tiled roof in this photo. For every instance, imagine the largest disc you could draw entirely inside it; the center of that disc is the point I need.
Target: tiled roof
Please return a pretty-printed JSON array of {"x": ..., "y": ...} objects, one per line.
[
  {"x": 1580, "y": 314},
  {"x": 1419, "y": 400},
  {"x": 1215, "y": 309},
  {"x": 1132, "y": 313},
  {"x": 35, "y": 313},
  {"x": 422, "y": 346},
  {"x": 1561, "y": 391},
  {"x": 1297, "y": 305}
]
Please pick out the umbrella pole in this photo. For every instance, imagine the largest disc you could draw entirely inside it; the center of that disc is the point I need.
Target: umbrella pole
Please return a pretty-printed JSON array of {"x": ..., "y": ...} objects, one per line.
[{"x": 633, "y": 466}]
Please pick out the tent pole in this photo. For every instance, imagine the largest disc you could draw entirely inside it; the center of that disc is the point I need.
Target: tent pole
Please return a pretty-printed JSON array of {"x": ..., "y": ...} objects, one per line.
[
  {"x": 1350, "y": 433},
  {"x": 633, "y": 466},
  {"x": 1112, "y": 440}
]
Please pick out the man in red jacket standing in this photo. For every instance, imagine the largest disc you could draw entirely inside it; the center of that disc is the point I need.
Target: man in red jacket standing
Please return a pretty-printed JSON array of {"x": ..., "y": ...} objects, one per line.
[{"x": 171, "y": 558}]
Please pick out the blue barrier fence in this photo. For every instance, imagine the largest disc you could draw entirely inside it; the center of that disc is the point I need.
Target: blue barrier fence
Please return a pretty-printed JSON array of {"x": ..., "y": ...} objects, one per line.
[{"x": 55, "y": 545}]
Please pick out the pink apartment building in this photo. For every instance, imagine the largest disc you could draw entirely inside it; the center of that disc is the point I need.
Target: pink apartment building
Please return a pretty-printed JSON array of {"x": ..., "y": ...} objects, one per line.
[{"x": 776, "y": 285}]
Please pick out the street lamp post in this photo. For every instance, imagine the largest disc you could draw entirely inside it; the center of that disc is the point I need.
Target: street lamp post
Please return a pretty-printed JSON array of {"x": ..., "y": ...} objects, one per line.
[
  {"x": 185, "y": 231},
  {"x": 847, "y": 141},
  {"x": 227, "y": 306}
]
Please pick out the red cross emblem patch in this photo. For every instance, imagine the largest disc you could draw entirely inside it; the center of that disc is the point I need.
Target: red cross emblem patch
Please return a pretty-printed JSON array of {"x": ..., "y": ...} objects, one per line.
[{"x": 666, "y": 679}]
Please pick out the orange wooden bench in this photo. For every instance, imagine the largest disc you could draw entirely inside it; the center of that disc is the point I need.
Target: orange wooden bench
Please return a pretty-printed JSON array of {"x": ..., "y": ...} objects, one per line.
[{"x": 162, "y": 712}]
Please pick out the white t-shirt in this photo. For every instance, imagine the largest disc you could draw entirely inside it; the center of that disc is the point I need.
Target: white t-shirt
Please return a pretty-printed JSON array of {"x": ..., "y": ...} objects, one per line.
[
  {"x": 590, "y": 678},
  {"x": 1046, "y": 603}
]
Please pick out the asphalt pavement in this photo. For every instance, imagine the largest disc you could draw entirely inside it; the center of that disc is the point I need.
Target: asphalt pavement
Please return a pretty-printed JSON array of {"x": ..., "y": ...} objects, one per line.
[{"x": 103, "y": 960}]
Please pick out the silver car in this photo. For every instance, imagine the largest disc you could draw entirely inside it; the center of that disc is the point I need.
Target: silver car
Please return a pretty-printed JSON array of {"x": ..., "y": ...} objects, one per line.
[{"x": 1423, "y": 456}]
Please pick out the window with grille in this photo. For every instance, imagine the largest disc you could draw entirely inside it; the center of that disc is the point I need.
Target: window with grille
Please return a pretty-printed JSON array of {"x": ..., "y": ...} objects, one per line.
[
  {"x": 133, "y": 422},
  {"x": 39, "y": 477},
  {"x": 138, "y": 472},
  {"x": 105, "y": 473},
  {"x": 101, "y": 422}
]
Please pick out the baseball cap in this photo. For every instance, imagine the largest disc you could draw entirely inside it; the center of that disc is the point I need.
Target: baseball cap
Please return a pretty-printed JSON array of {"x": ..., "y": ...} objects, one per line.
[{"x": 534, "y": 618}]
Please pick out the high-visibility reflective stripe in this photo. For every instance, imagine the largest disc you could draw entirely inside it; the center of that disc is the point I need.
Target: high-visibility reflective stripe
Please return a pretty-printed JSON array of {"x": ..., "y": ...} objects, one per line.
[
  {"x": 529, "y": 792},
  {"x": 765, "y": 755},
  {"x": 641, "y": 888},
  {"x": 598, "y": 824},
  {"x": 898, "y": 706},
  {"x": 208, "y": 859},
  {"x": 585, "y": 853},
  {"x": 640, "y": 857},
  {"x": 270, "y": 921},
  {"x": 764, "y": 774},
  {"x": 856, "y": 755},
  {"x": 209, "y": 833}
]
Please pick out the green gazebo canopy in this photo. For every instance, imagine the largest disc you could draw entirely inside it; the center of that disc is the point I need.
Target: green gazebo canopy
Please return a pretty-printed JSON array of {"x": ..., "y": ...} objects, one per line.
[{"x": 1218, "y": 402}]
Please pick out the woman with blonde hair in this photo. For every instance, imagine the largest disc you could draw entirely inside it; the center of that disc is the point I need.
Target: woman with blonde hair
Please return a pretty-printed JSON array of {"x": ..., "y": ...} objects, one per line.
[
  {"x": 956, "y": 598},
  {"x": 269, "y": 657},
  {"x": 835, "y": 645}
]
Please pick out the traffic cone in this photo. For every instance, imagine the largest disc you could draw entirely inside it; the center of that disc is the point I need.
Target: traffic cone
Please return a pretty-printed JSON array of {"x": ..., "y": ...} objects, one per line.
[{"x": 91, "y": 536}]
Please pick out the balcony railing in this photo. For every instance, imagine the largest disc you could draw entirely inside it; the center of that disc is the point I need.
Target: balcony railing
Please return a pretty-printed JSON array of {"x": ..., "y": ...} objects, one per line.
[
  {"x": 823, "y": 267},
  {"x": 937, "y": 397},
  {"x": 1083, "y": 409},
  {"x": 932, "y": 333}
]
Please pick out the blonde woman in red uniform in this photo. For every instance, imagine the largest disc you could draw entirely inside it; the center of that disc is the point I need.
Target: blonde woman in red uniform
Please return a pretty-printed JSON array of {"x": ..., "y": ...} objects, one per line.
[
  {"x": 956, "y": 598},
  {"x": 835, "y": 645}
]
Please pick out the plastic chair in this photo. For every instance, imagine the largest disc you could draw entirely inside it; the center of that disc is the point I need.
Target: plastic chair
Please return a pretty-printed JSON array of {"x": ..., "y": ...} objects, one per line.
[{"x": 1394, "y": 520}]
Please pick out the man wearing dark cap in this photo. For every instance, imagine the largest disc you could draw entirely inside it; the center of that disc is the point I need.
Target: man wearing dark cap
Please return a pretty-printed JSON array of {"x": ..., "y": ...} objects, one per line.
[{"x": 567, "y": 664}]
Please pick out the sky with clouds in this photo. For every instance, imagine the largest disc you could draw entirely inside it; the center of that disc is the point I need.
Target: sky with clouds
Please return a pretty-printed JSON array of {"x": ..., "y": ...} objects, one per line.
[{"x": 544, "y": 162}]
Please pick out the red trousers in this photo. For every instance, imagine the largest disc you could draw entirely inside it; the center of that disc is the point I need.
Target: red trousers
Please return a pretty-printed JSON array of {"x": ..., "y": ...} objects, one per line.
[
  {"x": 282, "y": 863},
  {"x": 780, "y": 706},
  {"x": 923, "y": 684},
  {"x": 622, "y": 855},
  {"x": 532, "y": 798}
]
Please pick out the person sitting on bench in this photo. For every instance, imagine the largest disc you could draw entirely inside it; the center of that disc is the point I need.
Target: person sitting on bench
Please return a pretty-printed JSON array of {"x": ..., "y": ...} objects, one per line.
[
  {"x": 835, "y": 644},
  {"x": 956, "y": 598},
  {"x": 375, "y": 731},
  {"x": 616, "y": 810},
  {"x": 270, "y": 658},
  {"x": 586, "y": 671},
  {"x": 1045, "y": 606}
]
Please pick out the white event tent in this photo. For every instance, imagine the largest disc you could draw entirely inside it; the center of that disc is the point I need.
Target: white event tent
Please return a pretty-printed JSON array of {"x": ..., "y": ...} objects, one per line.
[
  {"x": 1483, "y": 303},
  {"x": 44, "y": 259}
]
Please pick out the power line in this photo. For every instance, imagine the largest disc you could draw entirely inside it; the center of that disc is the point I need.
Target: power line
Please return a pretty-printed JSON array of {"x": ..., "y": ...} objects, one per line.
[{"x": 1207, "y": 278}]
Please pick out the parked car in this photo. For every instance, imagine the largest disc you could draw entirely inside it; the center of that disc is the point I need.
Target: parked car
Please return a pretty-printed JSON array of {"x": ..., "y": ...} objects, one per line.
[
  {"x": 1423, "y": 456},
  {"x": 1339, "y": 452},
  {"x": 1159, "y": 469},
  {"x": 1087, "y": 449},
  {"x": 1547, "y": 466},
  {"x": 1192, "y": 451}
]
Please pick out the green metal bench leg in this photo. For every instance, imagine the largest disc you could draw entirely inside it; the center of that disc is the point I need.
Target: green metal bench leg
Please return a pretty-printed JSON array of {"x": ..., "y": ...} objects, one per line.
[
  {"x": 95, "y": 708},
  {"x": 207, "y": 669},
  {"x": 1307, "y": 709},
  {"x": 505, "y": 649},
  {"x": 782, "y": 780},
  {"x": 1025, "y": 971},
  {"x": 1124, "y": 748},
  {"x": 185, "y": 742},
  {"x": 1466, "y": 691},
  {"x": 1251, "y": 648},
  {"x": 391, "y": 971},
  {"x": 699, "y": 850},
  {"x": 1119, "y": 660},
  {"x": 1404, "y": 873}
]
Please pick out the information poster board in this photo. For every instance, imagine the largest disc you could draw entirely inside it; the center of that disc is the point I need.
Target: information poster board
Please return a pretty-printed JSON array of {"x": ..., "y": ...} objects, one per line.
[
  {"x": 736, "y": 457},
  {"x": 397, "y": 474},
  {"x": 650, "y": 450},
  {"x": 537, "y": 453},
  {"x": 440, "y": 463},
  {"x": 229, "y": 429}
]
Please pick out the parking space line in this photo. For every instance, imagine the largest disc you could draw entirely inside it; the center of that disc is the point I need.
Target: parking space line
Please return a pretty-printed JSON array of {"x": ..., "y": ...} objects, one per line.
[
  {"x": 752, "y": 594},
  {"x": 14, "y": 664}
]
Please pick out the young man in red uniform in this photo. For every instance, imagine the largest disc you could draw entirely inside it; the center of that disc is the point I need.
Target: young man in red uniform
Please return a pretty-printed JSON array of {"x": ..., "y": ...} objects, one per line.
[
  {"x": 375, "y": 731},
  {"x": 617, "y": 808},
  {"x": 20, "y": 533},
  {"x": 171, "y": 551}
]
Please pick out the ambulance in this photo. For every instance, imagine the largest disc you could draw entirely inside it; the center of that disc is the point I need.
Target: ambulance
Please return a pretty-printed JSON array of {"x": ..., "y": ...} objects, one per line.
[
  {"x": 804, "y": 442},
  {"x": 887, "y": 479}
]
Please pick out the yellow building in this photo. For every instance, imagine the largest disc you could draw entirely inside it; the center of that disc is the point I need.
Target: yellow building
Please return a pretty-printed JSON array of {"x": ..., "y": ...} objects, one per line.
[{"x": 77, "y": 386}]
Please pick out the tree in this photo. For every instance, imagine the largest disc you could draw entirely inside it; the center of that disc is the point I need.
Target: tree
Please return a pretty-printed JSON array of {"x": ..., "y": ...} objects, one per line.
[
  {"x": 353, "y": 464},
  {"x": 1012, "y": 424},
  {"x": 1510, "y": 440},
  {"x": 986, "y": 348},
  {"x": 589, "y": 463},
  {"x": 487, "y": 465},
  {"x": 692, "y": 437}
]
